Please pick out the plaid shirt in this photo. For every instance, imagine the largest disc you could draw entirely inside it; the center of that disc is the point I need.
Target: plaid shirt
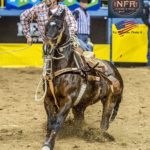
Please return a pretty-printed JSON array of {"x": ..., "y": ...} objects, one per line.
[{"x": 39, "y": 13}]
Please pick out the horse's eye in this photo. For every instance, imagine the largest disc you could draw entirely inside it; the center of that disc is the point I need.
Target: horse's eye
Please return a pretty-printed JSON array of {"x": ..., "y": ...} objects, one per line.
[{"x": 59, "y": 27}]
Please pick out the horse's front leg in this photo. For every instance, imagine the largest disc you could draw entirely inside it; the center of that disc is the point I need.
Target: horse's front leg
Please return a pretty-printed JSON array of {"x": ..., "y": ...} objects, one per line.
[
  {"x": 50, "y": 111},
  {"x": 60, "y": 118}
]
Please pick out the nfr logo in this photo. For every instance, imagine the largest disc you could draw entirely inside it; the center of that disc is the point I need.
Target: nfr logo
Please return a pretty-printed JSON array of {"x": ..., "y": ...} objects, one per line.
[
  {"x": 124, "y": 4},
  {"x": 20, "y": 3},
  {"x": 125, "y": 8}
]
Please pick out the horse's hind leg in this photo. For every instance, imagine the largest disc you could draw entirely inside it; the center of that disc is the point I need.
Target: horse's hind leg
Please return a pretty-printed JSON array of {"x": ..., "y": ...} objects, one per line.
[
  {"x": 108, "y": 106},
  {"x": 118, "y": 99}
]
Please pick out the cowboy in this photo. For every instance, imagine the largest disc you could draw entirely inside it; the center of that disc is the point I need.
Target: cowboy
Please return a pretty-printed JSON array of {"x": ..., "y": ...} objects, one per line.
[
  {"x": 40, "y": 13},
  {"x": 83, "y": 20}
]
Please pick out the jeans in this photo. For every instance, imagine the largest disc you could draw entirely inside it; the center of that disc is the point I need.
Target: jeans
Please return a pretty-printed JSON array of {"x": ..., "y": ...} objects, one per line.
[{"x": 83, "y": 40}]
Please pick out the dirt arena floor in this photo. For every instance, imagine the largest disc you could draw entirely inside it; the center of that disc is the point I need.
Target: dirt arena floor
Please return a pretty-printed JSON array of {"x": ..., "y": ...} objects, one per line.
[{"x": 22, "y": 120}]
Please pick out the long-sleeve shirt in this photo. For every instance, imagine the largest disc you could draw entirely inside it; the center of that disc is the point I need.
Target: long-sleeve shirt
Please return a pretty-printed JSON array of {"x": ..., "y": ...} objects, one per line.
[{"x": 39, "y": 13}]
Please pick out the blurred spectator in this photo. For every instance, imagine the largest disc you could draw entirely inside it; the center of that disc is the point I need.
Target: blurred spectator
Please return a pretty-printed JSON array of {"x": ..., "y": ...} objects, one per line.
[
  {"x": 146, "y": 20},
  {"x": 83, "y": 20}
]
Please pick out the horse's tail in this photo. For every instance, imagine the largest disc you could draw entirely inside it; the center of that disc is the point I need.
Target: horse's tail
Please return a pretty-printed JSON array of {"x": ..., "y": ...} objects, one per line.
[{"x": 116, "y": 108}]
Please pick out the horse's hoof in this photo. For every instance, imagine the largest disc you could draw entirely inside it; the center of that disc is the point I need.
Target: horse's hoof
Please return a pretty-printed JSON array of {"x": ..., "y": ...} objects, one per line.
[{"x": 45, "y": 148}]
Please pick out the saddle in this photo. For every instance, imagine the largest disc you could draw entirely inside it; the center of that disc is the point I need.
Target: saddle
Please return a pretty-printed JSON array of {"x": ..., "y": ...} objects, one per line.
[{"x": 88, "y": 61}]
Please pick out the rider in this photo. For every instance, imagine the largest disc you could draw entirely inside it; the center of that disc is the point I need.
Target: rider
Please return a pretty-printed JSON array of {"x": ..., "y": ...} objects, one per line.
[{"x": 40, "y": 13}]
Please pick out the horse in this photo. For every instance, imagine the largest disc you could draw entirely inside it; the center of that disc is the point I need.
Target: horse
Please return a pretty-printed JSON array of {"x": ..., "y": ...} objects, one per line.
[{"x": 71, "y": 85}]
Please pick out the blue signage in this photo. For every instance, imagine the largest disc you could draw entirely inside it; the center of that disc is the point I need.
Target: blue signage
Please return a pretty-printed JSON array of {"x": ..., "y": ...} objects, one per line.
[
  {"x": 73, "y": 4},
  {"x": 21, "y": 4}
]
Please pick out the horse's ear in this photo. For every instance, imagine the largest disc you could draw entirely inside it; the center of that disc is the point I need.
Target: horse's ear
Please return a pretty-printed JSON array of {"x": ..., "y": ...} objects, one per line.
[
  {"x": 63, "y": 14},
  {"x": 60, "y": 13}
]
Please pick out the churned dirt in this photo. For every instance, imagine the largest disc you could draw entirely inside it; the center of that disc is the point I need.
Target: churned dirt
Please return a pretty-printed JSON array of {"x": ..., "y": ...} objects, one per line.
[{"x": 23, "y": 121}]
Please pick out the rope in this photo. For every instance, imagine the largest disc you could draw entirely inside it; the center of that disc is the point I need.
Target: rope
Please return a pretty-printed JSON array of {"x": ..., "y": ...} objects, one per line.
[
  {"x": 21, "y": 49},
  {"x": 37, "y": 89},
  {"x": 62, "y": 47}
]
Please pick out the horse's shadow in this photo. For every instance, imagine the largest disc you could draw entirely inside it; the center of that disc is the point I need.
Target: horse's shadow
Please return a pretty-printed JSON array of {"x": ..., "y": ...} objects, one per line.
[{"x": 70, "y": 129}]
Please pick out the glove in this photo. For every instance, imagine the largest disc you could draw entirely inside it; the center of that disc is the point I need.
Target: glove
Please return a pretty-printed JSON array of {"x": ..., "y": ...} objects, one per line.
[{"x": 90, "y": 42}]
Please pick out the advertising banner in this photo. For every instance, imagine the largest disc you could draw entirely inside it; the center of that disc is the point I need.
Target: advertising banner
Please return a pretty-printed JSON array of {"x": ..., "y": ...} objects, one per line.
[
  {"x": 20, "y": 55},
  {"x": 21, "y": 4},
  {"x": 125, "y": 8},
  {"x": 14, "y": 52},
  {"x": 129, "y": 41},
  {"x": 12, "y": 31},
  {"x": 72, "y": 4}
]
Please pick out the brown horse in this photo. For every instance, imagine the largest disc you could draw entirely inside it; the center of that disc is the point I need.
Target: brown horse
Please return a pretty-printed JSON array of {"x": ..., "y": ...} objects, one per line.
[{"x": 73, "y": 86}]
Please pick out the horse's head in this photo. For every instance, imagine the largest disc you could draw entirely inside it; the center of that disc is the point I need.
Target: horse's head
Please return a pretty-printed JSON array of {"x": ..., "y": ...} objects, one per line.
[
  {"x": 55, "y": 28},
  {"x": 57, "y": 34}
]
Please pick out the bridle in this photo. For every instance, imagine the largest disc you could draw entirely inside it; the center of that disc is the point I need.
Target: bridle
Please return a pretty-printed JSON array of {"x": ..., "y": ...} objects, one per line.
[
  {"x": 57, "y": 39},
  {"x": 54, "y": 47},
  {"x": 60, "y": 48}
]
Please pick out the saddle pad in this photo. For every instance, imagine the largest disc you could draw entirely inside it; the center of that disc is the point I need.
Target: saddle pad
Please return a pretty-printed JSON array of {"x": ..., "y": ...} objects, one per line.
[{"x": 115, "y": 84}]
